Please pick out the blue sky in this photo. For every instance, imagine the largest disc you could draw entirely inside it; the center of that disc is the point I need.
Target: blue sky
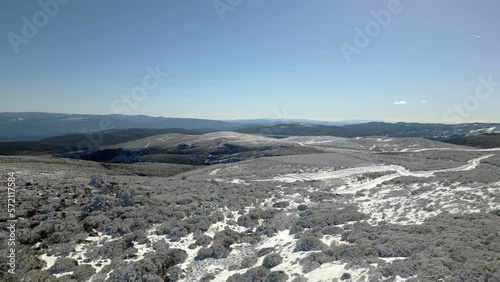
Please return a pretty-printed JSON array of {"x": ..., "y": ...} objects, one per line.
[{"x": 258, "y": 59}]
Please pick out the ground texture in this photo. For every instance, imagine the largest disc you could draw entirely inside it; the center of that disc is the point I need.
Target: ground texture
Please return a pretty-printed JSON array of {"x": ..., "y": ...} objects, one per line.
[{"x": 328, "y": 209}]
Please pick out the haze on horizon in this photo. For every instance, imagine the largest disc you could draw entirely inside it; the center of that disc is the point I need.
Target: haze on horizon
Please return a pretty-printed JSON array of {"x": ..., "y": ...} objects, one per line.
[{"x": 419, "y": 61}]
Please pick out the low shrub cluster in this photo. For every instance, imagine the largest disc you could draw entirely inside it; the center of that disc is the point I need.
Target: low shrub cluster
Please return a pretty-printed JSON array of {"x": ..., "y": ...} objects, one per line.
[
  {"x": 272, "y": 260},
  {"x": 259, "y": 273}
]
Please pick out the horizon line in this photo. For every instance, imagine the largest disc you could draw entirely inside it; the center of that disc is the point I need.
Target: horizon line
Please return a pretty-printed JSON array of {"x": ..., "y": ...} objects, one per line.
[{"x": 254, "y": 118}]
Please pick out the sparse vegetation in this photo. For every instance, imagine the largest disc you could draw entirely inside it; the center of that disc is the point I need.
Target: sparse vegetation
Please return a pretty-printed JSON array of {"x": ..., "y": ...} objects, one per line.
[
  {"x": 272, "y": 260},
  {"x": 166, "y": 227}
]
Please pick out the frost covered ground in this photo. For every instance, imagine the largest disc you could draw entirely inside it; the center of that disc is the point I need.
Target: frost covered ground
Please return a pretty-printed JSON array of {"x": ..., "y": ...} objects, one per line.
[{"x": 361, "y": 209}]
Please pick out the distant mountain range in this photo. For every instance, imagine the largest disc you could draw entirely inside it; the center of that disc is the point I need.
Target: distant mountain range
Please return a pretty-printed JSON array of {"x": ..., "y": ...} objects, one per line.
[
  {"x": 31, "y": 126},
  {"x": 270, "y": 122},
  {"x": 401, "y": 129},
  {"x": 34, "y": 126}
]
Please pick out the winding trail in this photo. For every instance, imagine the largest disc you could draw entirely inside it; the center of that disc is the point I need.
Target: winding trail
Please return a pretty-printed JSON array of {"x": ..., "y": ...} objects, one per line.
[
  {"x": 449, "y": 149},
  {"x": 398, "y": 172}
]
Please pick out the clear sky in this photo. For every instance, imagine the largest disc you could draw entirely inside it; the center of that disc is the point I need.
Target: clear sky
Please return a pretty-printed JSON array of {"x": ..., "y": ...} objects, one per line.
[{"x": 239, "y": 59}]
